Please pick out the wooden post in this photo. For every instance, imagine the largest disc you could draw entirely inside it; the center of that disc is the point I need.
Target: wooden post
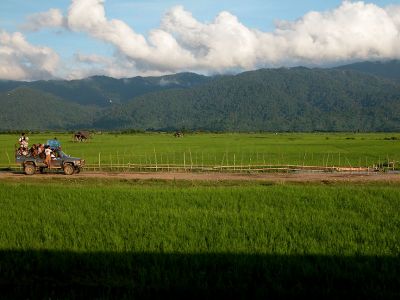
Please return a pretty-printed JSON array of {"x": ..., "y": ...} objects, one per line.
[
  {"x": 387, "y": 159},
  {"x": 155, "y": 159},
  {"x": 191, "y": 161},
  {"x": 99, "y": 161},
  {"x": 8, "y": 157}
]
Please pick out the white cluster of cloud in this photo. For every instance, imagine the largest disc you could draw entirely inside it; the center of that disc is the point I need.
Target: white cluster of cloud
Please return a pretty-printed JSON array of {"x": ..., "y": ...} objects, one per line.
[
  {"x": 352, "y": 31},
  {"x": 22, "y": 61},
  {"x": 48, "y": 19},
  {"x": 89, "y": 65}
]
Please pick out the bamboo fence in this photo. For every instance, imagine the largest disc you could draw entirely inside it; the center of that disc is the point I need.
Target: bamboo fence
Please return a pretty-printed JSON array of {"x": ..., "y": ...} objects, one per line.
[
  {"x": 229, "y": 164},
  {"x": 129, "y": 167}
]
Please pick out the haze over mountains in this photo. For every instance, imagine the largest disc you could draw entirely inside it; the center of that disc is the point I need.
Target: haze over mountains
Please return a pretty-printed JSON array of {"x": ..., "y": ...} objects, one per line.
[{"x": 362, "y": 96}]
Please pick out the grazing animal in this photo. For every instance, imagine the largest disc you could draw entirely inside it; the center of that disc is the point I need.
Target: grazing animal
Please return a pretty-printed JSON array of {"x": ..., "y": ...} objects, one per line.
[
  {"x": 81, "y": 136},
  {"x": 178, "y": 134}
]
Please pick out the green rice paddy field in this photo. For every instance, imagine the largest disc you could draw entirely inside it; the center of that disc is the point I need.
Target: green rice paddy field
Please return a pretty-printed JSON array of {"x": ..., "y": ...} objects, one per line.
[
  {"x": 74, "y": 238},
  {"x": 318, "y": 149}
]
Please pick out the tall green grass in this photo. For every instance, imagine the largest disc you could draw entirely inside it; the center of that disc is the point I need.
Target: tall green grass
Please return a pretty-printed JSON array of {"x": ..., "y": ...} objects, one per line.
[{"x": 332, "y": 220}]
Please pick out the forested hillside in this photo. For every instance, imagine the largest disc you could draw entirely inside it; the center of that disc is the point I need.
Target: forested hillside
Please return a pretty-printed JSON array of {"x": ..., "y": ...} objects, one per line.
[
  {"x": 102, "y": 90},
  {"x": 388, "y": 69},
  {"x": 29, "y": 109},
  {"x": 295, "y": 99}
]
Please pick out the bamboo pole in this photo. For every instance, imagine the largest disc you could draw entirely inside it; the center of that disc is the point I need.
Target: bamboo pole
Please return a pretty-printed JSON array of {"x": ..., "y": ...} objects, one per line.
[
  {"x": 8, "y": 157},
  {"x": 191, "y": 161},
  {"x": 327, "y": 159},
  {"x": 155, "y": 159}
]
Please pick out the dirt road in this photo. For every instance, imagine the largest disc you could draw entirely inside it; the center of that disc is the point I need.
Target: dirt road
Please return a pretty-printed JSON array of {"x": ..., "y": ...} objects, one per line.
[{"x": 269, "y": 177}]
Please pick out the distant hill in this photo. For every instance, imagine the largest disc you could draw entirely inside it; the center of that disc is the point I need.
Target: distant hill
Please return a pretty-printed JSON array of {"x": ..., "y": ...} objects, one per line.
[
  {"x": 294, "y": 99},
  {"x": 102, "y": 90},
  {"x": 297, "y": 99},
  {"x": 24, "y": 108},
  {"x": 387, "y": 69}
]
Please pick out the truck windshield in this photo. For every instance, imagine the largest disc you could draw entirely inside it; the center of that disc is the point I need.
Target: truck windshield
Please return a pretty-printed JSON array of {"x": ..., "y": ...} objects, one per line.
[{"x": 62, "y": 154}]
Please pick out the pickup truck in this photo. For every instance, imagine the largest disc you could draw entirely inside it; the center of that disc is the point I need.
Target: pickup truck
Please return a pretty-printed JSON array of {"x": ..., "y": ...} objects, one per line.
[{"x": 62, "y": 161}]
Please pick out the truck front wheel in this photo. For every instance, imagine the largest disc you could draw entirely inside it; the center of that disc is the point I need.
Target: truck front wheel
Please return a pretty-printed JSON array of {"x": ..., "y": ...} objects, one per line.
[
  {"x": 29, "y": 169},
  {"x": 68, "y": 170}
]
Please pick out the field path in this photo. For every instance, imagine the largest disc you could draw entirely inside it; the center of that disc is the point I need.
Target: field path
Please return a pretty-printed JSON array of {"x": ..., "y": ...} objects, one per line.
[{"x": 270, "y": 177}]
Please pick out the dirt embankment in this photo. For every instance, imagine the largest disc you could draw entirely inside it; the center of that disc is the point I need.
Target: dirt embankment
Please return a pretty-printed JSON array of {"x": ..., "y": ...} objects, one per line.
[{"x": 270, "y": 177}]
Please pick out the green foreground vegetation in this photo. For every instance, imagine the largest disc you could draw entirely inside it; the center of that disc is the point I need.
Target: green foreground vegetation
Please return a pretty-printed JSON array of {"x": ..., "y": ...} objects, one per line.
[
  {"x": 318, "y": 149},
  {"x": 116, "y": 238}
]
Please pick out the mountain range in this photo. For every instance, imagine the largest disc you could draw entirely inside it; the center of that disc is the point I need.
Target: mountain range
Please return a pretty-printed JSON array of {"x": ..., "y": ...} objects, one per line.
[{"x": 357, "y": 97}]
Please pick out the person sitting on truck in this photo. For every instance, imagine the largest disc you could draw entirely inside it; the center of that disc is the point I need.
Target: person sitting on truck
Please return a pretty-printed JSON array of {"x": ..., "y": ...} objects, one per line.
[
  {"x": 23, "y": 141},
  {"x": 48, "y": 151},
  {"x": 40, "y": 151},
  {"x": 33, "y": 151},
  {"x": 23, "y": 145}
]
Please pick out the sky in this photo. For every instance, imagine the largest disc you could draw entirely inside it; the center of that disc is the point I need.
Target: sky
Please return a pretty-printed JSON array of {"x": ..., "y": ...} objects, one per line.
[{"x": 73, "y": 39}]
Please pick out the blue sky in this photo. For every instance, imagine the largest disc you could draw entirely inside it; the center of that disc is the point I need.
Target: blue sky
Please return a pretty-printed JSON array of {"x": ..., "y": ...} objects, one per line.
[{"x": 143, "y": 16}]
